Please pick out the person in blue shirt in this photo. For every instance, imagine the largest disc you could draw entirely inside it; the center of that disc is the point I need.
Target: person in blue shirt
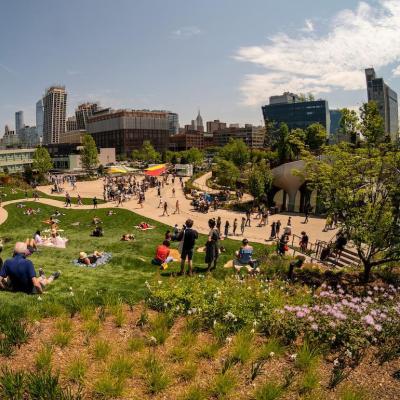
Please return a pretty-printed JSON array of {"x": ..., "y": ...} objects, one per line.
[
  {"x": 244, "y": 258},
  {"x": 18, "y": 273}
]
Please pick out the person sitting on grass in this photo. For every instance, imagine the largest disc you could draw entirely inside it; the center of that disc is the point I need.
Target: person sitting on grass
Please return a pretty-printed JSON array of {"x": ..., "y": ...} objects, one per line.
[
  {"x": 18, "y": 274},
  {"x": 127, "y": 237},
  {"x": 162, "y": 257},
  {"x": 244, "y": 257},
  {"x": 89, "y": 260},
  {"x": 97, "y": 232},
  {"x": 38, "y": 238},
  {"x": 297, "y": 263},
  {"x": 96, "y": 220}
]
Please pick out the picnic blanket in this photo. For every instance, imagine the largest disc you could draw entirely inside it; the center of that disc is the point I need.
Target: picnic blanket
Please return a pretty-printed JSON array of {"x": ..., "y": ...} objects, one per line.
[
  {"x": 104, "y": 259},
  {"x": 145, "y": 229}
]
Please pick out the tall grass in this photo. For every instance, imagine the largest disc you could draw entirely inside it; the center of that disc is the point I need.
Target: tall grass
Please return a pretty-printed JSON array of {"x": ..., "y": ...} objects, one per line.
[{"x": 155, "y": 374}]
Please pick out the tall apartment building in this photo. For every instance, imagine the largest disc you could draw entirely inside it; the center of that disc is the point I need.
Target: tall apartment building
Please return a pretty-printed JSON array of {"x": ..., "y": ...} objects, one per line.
[
  {"x": 215, "y": 125},
  {"x": 55, "y": 109},
  {"x": 173, "y": 122},
  {"x": 39, "y": 117},
  {"x": 386, "y": 98},
  {"x": 28, "y": 137},
  {"x": 297, "y": 113},
  {"x": 253, "y": 136},
  {"x": 19, "y": 121},
  {"x": 126, "y": 130},
  {"x": 83, "y": 112},
  {"x": 71, "y": 124}
]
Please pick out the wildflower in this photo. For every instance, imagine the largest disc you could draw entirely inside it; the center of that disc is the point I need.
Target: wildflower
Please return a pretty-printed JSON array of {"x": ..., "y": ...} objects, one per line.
[
  {"x": 159, "y": 282},
  {"x": 228, "y": 339},
  {"x": 39, "y": 298},
  {"x": 336, "y": 362},
  {"x": 349, "y": 353},
  {"x": 300, "y": 314},
  {"x": 293, "y": 356},
  {"x": 271, "y": 354},
  {"x": 378, "y": 327},
  {"x": 152, "y": 340},
  {"x": 369, "y": 320},
  {"x": 314, "y": 326}
]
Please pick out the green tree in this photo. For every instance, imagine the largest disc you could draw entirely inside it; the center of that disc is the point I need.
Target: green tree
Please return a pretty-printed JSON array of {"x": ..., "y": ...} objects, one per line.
[
  {"x": 42, "y": 161},
  {"x": 361, "y": 186},
  {"x": 284, "y": 148},
  {"x": 372, "y": 124},
  {"x": 260, "y": 179},
  {"x": 136, "y": 155},
  {"x": 297, "y": 138},
  {"x": 236, "y": 151},
  {"x": 148, "y": 153},
  {"x": 315, "y": 136},
  {"x": 349, "y": 125},
  {"x": 227, "y": 173},
  {"x": 89, "y": 154},
  {"x": 194, "y": 156}
]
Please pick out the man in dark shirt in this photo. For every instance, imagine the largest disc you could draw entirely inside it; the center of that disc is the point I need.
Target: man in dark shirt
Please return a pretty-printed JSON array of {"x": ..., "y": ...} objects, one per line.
[
  {"x": 18, "y": 274},
  {"x": 188, "y": 236}
]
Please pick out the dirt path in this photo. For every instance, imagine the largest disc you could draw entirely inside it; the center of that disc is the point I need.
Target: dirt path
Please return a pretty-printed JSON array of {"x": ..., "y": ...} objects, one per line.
[{"x": 314, "y": 228}]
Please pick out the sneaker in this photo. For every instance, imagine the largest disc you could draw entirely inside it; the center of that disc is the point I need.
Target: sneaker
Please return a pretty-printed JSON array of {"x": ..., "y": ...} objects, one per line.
[
  {"x": 164, "y": 266},
  {"x": 56, "y": 275}
]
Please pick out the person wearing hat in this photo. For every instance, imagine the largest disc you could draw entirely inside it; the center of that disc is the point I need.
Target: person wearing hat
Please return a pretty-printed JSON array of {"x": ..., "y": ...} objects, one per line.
[{"x": 18, "y": 274}]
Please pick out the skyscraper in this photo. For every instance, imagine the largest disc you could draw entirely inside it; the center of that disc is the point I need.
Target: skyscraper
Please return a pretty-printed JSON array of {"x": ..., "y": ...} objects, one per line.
[
  {"x": 39, "y": 117},
  {"x": 19, "y": 121},
  {"x": 173, "y": 123},
  {"x": 386, "y": 98},
  {"x": 199, "y": 123},
  {"x": 55, "y": 108},
  {"x": 83, "y": 112}
]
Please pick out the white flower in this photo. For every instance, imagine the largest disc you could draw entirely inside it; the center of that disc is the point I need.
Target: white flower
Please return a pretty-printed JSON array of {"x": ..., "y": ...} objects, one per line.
[
  {"x": 252, "y": 331},
  {"x": 159, "y": 282},
  {"x": 271, "y": 354},
  {"x": 70, "y": 288},
  {"x": 293, "y": 356},
  {"x": 152, "y": 339},
  {"x": 228, "y": 339},
  {"x": 336, "y": 362},
  {"x": 39, "y": 298}
]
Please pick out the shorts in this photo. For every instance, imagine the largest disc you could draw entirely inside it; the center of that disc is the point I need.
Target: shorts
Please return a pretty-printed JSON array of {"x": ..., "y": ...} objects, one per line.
[{"x": 187, "y": 254}]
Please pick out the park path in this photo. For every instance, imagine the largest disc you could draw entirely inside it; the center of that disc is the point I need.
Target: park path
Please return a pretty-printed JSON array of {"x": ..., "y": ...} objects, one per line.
[{"x": 314, "y": 227}]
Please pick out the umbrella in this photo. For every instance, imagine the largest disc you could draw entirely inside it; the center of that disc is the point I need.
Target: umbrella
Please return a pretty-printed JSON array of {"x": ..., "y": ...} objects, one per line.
[{"x": 155, "y": 170}]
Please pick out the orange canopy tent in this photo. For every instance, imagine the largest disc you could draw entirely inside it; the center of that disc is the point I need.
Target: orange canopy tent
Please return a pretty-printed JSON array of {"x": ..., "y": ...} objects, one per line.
[{"x": 155, "y": 170}]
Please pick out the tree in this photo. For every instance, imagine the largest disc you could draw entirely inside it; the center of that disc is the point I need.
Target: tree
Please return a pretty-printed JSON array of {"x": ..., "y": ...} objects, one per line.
[
  {"x": 42, "y": 161},
  {"x": 148, "y": 153},
  {"x": 297, "y": 138},
  {"x": 349, "y": 125},
  {"x": 260, "y": 179},
  {"x": 361, "y": 186},
  {"x": 194, "y": 156},
  {"x": 315, "y": 136},
  {"x": 227, "y": 173},
  {"x": 89, "y": 154},
  {"x": 284, "y": 148},
  {"x": 236, "y": 151},
  {"x": 372, "y": 124}
]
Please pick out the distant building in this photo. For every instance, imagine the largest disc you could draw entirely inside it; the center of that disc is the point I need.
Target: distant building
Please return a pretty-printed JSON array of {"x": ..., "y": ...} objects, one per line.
[
  {"x": 29, "y": 137},
  {"x": 9, "y": 139},
  {"x": 186, "y": 140},
  {"x": 39, "y": 117},
  {"x": 386, "y": 98},
  {"x": 336, "y": 116},
  {"x": 72, "y": 137},
  {"x": 199, "y": 123},
  {"x": 297, "y": 114},
  {"x": 173, "y": 123},
  {"x": 126, "y": 130},
  {"x": 16, "y": 160},
  {"x": 234, "y": 125},
  {"x": 82, "y": 114},
  {"x": 55, "y": 109},
  {"x": 253, "y": 136},
  {"x": 215, "y": 125},
  {"x": 71, "y": 124},
  {"x": 19, "y": 121}
]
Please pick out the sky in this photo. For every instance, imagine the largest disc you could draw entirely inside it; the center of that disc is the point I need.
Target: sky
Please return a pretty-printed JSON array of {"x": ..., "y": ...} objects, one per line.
[{"x": 224, "y": 57}]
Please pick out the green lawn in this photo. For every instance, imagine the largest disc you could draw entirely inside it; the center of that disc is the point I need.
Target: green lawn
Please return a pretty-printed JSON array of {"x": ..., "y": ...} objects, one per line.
[
  {"x": 126, "y": 273},
  {"x": 7, "y": 195}
]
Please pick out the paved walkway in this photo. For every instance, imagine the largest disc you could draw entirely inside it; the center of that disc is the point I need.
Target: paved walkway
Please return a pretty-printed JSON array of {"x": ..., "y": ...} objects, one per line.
[{"x": 314, "y": 228}]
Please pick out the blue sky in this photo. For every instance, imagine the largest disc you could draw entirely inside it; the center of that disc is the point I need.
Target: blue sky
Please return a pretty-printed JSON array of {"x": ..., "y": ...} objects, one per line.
[{"x": 225, "y": 57}]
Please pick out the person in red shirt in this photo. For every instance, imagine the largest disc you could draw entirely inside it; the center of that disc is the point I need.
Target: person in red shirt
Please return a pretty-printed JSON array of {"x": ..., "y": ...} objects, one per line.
[{"x": 162, "y": 257}]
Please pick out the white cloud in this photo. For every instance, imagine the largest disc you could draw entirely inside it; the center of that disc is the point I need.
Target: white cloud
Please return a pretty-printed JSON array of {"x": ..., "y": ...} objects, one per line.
[
  {"x": 396, "y": 71},
  {"x": 356, "y": 40},
  {"x": 308, "y": 26},
  {"x": 187, "y": 31}
]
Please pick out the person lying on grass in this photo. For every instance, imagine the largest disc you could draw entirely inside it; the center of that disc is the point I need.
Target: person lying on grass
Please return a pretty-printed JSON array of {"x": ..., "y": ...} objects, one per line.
[
  {"x": 162, "y": 257},
  {"x": 18, "y": 274},
  {"x": 89, "y": 260},
  {"x": 127, "y": 237}
]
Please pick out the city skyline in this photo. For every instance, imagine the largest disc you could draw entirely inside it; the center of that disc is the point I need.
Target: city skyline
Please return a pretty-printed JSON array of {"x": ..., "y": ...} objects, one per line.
[{"x": 225, "y": 59}]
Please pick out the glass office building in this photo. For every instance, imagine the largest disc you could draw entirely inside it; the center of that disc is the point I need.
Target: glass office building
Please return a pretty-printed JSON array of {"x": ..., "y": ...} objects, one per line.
[{"x": 298, "y": 114}]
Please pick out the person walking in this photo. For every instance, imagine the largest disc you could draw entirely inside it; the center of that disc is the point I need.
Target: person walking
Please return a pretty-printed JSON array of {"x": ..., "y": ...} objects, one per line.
[
  {"x": 160, "y": 203},
  {"x": 226, "y": 230},
  {"x": 212, "y": 248},
  {"x": 79, "y": 199},
  {"x": 187, "y": 237},
  {"x": 306, "y": 213},
  {"x": 289, "y": 221},
  {"x": 304, "y": 241},
  {"x": 165, "y": 209},
  {"x": 278, "y": 227},
  {"x": 273, "y": 230},
  {"x": 242, "y": 225},
  {"x": 173, "y": 192},
  {"x": 67, "y": 200},
  {"x": 235, "y": 225},
  {"x": 248, "y": 218},
  {"x": 94, "y": 202},
  {"x": 219, "y": 222},
  {"x": 177, "y": 211}
]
